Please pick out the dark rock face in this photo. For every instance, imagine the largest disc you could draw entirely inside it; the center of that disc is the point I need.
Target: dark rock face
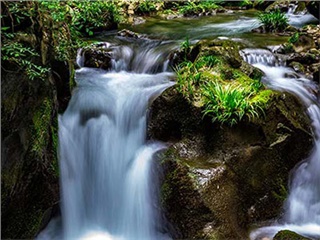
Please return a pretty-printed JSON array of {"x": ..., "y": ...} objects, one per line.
[
  {"x": 313, "y": 7},
  {"x": 29, "y": 178},
  {"x": 221, "y": 179},
  {"x": 305, "y": 54},
  {"x": 97, "y": 58},
  {"x": 29, "y": 183}
]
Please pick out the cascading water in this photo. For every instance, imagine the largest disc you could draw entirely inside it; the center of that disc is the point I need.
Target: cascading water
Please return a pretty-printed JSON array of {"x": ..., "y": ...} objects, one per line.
[
  {"x": 302, "y": 208},
  {"x": 105, "y": 162},
  {"x": 299, "y": 19}
]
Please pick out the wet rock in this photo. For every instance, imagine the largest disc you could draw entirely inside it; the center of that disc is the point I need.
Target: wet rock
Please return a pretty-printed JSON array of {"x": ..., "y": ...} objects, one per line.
[
  {"x": 261, "y": 5},
  {"x": 53, "y": 212},
  {"x": 219, "y": 180},
  {"x": 97, "y": 58},
  {"x": 227, "y": 49},
  {"x": 289, "y": 235},
  {"x": 303, "y": 58},
  {"x": 315, "y": 70},
  {"x": 313, "y": 7},
  {"x": 130, "y": 34},
  {"x": 298, "y": 67},
  {"x": 138, "y": 20},
  {"x": 282, "y": 5},
  {"x": 303, "y": 44}
]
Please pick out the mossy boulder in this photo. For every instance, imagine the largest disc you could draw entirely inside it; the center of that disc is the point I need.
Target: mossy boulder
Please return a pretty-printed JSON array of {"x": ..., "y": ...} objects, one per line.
[
  {"x": 303, "y": 43},
  {"x": 29, "y": 174},
  {"x": 227, "y": 49},
  {"x": 289, "y": 235},
  {"x": 220, "y": 179}
]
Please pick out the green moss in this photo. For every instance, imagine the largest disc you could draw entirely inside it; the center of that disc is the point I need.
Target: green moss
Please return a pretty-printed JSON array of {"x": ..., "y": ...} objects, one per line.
[
  {"x": 41, "y": 122},
  {"x": 288, "y": 235},
  {"x": 54, "y": 140},
  {"x": 34, "y": 224}
]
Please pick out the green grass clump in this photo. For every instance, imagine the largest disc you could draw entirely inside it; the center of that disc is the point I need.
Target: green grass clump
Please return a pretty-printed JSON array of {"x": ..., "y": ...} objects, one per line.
[
  {"x": 225, "y": 103},
  {"x": 226, "y": 98},
  {"x": 273, "y": 21}
]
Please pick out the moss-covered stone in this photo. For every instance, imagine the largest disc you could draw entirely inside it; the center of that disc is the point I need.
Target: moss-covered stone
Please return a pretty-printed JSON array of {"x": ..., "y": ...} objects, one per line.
[
  {"x": 221, "y": 82},
  {"x": 289, "y": 235},
  {"x": 238, "y": 174},
  {"x": 29, "y": 183}
]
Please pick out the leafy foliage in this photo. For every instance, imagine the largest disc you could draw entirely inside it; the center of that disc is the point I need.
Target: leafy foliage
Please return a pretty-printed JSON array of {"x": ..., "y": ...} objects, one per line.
[
  {"x": 273, "y": 21},
  {"x": 146, "y": 6},
  {"x": 21, "y": 55},
  {"x": 197, "y": 7},
  {"x": 86, "y": 17}
]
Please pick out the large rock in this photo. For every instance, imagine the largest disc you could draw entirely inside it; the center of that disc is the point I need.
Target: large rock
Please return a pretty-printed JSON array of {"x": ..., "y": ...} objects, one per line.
[
  {"x": 221, "y": 179},
  {"x": 314, "y": 8},
  {"x": 29, "y": 174},
  {"x": 289, "y": 235}
]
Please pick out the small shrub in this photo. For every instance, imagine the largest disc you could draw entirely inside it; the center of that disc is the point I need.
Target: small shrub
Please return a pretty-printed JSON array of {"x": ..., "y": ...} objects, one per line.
[
  {"x": 22, "y": 56},
  {"x": 194, "y": 8},
  {"x": 273, "y": 21},
  {"x": 146, "y": 6}
]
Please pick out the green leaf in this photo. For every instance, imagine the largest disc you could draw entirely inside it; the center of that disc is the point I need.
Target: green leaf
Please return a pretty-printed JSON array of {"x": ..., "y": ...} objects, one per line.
[{"x": 4, "y": 28}]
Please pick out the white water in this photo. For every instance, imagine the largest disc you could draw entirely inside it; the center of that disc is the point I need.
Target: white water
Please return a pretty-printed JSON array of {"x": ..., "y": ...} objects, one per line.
[
  {"x": 105, "y": 162},
  {"x": 299, "y": 19},
  {"x": 302, "y": 208}
]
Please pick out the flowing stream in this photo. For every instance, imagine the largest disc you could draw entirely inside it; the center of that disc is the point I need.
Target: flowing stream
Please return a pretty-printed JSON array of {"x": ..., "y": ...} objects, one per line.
[
  {"x": 302, "y": 208},
  {"x": 105, "y": 162}
]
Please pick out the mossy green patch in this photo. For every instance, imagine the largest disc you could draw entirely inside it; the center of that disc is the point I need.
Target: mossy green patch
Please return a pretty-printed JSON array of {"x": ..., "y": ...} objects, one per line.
[
  {"x": 42, "y": 121},
  {"x": 227, "y": 94},
  {"x": 288, "y": 235}
]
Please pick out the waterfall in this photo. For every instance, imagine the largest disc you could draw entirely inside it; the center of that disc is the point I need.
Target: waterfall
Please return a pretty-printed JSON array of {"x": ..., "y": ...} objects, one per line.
[
  {"x": 301, "y": 18},
  {"x": 105, "y": 161},
  {"x": 302, "y": 207}
]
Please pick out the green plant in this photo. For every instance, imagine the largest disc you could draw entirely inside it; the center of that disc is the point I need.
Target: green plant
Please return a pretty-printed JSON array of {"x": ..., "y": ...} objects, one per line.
[
  {"x": 185, "y": 45},
  {"x": 196, "y": 7},
  {"x": 288, "y": 48},
  {"x": 294, "y": 38},
  {"x": 22, "y": 56},
  {"x": 210, "y": 61},
  {"x": 94, "y": 16},
  {"x": 226, "y": 99},
  {"x": 273, "y": 21},
  {"x": 227, "y": 103},
  {"x": 146, "y": 6}
]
